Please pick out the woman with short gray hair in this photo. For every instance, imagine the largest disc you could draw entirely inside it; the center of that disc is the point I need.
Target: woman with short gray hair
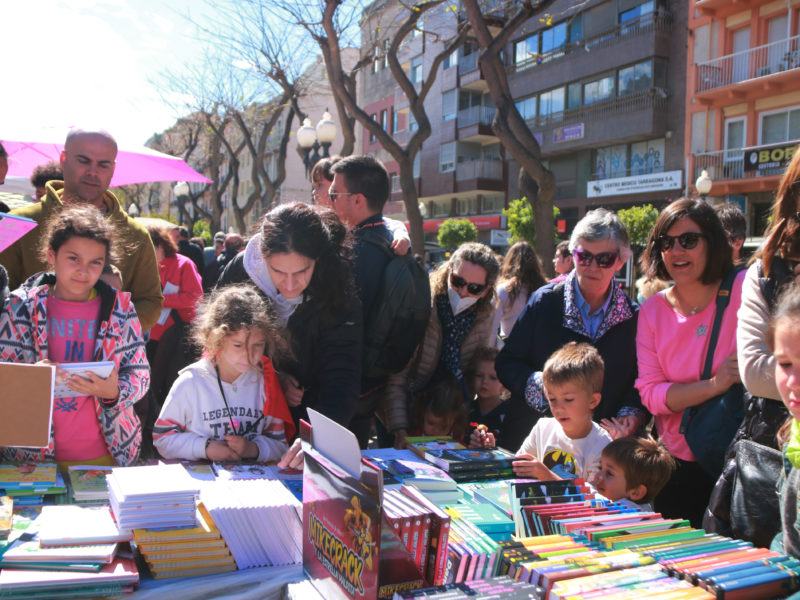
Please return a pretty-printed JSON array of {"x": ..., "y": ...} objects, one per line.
[{"x": 588, "y": 306}]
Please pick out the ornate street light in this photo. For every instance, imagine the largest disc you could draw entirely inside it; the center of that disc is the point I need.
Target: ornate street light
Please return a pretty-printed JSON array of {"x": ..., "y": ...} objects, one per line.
[
  {"x": 311, "y": 139},
  {"x": 181, "y": 193},
  {"x": 703, "y": 184}
]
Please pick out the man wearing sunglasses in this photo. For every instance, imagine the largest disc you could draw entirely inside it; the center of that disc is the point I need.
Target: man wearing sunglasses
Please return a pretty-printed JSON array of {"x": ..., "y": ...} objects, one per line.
[{"x": 588, "y": 306}]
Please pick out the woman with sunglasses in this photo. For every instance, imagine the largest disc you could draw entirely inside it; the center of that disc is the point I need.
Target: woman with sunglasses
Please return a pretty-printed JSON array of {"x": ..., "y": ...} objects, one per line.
[
  {"x": 688, "y": 246},
  {"x": 462, "y": 294},
  {"x": 588, "y": 306}
]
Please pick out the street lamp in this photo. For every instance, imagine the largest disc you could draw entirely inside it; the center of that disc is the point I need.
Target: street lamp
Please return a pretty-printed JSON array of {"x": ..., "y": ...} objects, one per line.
[
  {"x": 703, "y": 184},
  {"x": 310, "y": 138},
  {"x": 133, "y": 210},
  {"x": 181, "y": 193}
]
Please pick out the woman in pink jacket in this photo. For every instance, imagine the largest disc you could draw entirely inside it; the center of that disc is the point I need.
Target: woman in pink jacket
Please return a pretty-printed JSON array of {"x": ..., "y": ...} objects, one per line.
[{"x": 688, "y": 246}]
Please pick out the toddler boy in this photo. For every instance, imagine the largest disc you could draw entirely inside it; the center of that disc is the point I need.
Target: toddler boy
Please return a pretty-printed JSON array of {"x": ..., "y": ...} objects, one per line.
[
  {"x": 633, "y": 471},
  {"x": 569, "y": 444}
]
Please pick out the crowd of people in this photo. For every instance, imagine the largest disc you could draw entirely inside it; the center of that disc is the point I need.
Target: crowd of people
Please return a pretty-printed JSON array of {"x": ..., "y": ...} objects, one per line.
[{"x": 324, "y": 308}]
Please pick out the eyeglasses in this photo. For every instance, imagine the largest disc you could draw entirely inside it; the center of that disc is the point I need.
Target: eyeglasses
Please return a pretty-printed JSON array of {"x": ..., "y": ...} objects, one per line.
[
  {"x": 333, "y": 195},
  {"x": 458, "y": 282},
  {"x": 604, "y": 260},
  {"x": 687, "y": 240}
]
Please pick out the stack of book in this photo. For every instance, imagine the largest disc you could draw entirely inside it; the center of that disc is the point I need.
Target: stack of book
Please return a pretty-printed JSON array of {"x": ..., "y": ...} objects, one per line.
[
  {"x": 154, "y": 496},
  {"x": 419, "y": 445},
  {"x": 198, "y": 550},
  {"x": 403, "y": 466},
  {"x": 488, "y": 518},
  {"x": 471, "y": 553},
  {"x": 473, "y": 464},
  {"x": 115, "y": 578},
  {"x": 88, "y": 484},
  {"x": 260, "y": 520},
  {"x": 28, "y": 483},
  {"x": 491, "y": 589}
]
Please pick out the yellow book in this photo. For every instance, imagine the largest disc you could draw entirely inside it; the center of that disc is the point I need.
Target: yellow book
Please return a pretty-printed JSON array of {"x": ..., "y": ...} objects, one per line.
[
  {"x": 196, "y": 563},
  {"x": 191, "y": 553},
  {"x": 204, "y": 530},
  {"x": 148, "y": 547},
  {"x": 192, "y": 572}
]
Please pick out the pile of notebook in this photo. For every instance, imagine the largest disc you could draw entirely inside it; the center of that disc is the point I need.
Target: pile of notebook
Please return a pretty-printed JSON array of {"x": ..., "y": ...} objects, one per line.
[
  {"x": 261, "y": 521},
  {"x": 152, "y": 497},
  {"x": 197, "y": 550},
  {"x": 67, "y": 551},
  {"x": 88, "y": 484},
  {"x": 403, "y": 466},
  {"x": 28, "y": 483},
  {"x": 473, "y": 464}
]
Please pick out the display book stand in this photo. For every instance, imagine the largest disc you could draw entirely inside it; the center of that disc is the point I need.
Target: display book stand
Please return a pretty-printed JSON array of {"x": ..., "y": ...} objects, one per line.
[{"x": 349, "y": 548}]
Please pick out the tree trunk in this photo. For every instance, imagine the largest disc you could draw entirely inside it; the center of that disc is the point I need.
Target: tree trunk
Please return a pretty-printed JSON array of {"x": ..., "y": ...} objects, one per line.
[{"x": 541, "y": 200}]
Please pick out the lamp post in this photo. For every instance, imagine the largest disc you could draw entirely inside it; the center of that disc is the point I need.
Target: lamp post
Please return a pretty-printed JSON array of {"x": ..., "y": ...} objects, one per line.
[
  {"x": 133, "y": 210},
  {"x": 181, "y": 193},
  {"x": 703, "y": 184},
  {"x": 311, "y": 139}
]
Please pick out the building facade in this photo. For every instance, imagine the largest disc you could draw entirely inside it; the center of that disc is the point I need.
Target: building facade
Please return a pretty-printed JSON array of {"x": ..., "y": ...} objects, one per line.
[
  {"x": 743, "y": 99},
  {"x": 601, "y": 85}
]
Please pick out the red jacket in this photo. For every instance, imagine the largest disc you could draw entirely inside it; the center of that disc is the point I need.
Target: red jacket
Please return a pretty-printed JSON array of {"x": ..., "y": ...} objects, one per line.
[{"x": 182, "y": 272}]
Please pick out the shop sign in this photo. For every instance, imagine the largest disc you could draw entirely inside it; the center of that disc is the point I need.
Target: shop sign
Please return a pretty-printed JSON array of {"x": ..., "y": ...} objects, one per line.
[
  {"x": 568, "y": 133},
  {"x": 762, "y": 158},
  {"x": 637, "y": 184}
]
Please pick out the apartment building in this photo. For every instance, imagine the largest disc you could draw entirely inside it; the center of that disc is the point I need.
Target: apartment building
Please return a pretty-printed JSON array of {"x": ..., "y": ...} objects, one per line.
[
  {"x": 743, "y": 99},
  {"x": 601, "y": 85}
]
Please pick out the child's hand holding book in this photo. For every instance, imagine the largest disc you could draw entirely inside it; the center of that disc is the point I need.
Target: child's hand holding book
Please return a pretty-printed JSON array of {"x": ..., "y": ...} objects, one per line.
[{"x": 527, "y": 466}]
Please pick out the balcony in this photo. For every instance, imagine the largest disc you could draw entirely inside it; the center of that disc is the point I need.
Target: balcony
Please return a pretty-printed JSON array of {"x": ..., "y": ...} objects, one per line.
[
  {"x": 762, "y": 68},
  {"x": 467, "y": 63},
  {"x": 479, "y": 175},
  {"x": 475, "y": 124},
  {"x": 652, "y": 23},
  {"x": 654, "y": 98},
  {"x": 726, "y": 169}
]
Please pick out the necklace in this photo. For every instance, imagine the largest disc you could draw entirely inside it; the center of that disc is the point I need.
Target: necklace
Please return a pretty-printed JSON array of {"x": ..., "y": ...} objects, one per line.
[{"x": 234, "y": 424}]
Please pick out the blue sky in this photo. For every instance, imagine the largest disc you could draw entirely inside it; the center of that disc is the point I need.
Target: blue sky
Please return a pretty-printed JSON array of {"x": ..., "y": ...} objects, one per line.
[{"x": 88, "y": 62}]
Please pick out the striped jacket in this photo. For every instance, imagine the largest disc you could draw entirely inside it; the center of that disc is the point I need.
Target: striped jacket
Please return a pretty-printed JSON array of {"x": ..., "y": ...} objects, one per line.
[{"x": 23, "y": 339}]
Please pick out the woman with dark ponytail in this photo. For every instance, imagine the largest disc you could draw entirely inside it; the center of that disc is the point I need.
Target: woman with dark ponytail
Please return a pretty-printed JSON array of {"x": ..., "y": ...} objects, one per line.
[{"x": 300, "y": 262}]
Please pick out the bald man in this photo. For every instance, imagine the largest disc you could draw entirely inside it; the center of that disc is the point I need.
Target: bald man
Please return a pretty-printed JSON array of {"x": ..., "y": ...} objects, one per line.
[{"x": 88, "y": 162}]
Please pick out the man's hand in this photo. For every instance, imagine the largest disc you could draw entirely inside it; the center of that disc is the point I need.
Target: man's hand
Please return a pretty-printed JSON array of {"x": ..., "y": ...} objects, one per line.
[
  {"x": 400, "y": 439},
  {"x": 291, "y": 389}
]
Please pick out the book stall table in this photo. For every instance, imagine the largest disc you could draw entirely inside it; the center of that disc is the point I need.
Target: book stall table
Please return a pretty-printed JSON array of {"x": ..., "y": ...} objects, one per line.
[{"x": 363, "y": 531}]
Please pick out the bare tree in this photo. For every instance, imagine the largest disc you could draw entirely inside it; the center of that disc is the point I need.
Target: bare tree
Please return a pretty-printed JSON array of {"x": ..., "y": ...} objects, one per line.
[{"x": 536, "y": 181}]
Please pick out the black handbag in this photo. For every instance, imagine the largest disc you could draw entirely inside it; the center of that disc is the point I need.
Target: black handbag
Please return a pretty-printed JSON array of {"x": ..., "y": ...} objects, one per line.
[
  {"x": 755, "y": 509},
  {"x": 709, "y": 427}
]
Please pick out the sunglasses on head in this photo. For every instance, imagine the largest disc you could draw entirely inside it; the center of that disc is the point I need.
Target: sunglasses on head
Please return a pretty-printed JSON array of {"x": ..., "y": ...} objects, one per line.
[
  {"x": 459, "y": 282},
  {"x": 604, "y": 260},
  {"x": 687, "y": 240}
]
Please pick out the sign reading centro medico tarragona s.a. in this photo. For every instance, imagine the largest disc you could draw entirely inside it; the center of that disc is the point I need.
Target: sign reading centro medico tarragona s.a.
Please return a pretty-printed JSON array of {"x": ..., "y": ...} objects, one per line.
[
  {"x": 774, "y": 156},
  {"x": 636, "y": 184}
]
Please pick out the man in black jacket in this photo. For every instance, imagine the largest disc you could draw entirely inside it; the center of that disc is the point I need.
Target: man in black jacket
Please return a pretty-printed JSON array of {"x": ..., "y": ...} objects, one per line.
[
  {"x": 181, "y": 237},
  {"x": 359, "y": 191}
]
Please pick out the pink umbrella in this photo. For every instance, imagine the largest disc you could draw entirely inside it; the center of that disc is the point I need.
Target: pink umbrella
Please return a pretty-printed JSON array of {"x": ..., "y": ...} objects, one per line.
[{"x": 134, "y": 164}]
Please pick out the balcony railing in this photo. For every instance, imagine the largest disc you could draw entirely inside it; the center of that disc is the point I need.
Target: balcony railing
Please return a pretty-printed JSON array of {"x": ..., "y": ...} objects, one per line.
[
  {"x": 468, "y": 63},
  {"x": 761, "y": 61},
  {"x": 729, "y": 164},
  {"x": 658, "y": 22},
  {"x": 479, "y": 169},
  {"x": 655, "y": 98},
  {"x": 473, "y": 115}
]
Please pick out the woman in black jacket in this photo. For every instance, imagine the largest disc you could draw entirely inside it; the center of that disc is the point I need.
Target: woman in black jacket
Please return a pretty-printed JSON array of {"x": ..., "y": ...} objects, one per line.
[
  {"x": 300, "y": 263},
  {"x": 588, "y": 306}
]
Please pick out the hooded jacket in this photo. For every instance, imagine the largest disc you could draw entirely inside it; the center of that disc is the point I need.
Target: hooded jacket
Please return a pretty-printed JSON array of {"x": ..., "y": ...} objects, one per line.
[
  {"x": 137, "y": 257},
  {"x": 23, "y": 339}
]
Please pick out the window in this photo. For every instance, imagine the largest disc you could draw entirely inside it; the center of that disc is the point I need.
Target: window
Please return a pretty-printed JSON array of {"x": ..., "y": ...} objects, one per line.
[
  {"x": 527, "y": 108},
  {"x": 632, "y": 15},
  {"x": 636, "y": 78},
  {"x": 384, "y": 119},
  {"x": 574, "y": 95},
  {"x": 447, "y": 157},
  {"x": 395, "y": 183},
  {"x": 734, "y": 138},
  {"x": 441, "y": 208},
  {"x": 397, "y": 122},
  {"x": 372, "y": 135},
  {"x": 553, "y": 41},
  {"x": 599, "y": 90},
  {"x": 449, "y": 104},
  {"x": 611, "y": 161},
  {"x": 412, "y": 122},
  {"x": 526, "y": 52},
  {"x": 552, "y": 102},
  {"x": 451, "y": 60},
  {"x": 416, "y": 164},
  {"x": 575, "y": 28},
  {"x": 466, "y": 206},
  {"x": 416, "y": 70},
  {"x": 647, "y": 157},
  {"x": 492, "y": 204},
  {"x": 780, "y": 126}
]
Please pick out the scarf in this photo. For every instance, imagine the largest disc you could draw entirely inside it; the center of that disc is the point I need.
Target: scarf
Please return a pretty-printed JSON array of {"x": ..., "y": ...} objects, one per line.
[
  {"x": 256, "y": 267},
  {"x": 793, "y": 447},
  {"x": 454, "y": 329}
]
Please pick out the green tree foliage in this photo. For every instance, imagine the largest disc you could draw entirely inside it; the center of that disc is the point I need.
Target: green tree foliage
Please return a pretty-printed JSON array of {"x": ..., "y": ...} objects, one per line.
[
  {"x": 454, "y": 232},
  {"x": 521, "y": 222},
  {"x": 639, "y": 221},
  {"x": 202, "y": 229}
]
